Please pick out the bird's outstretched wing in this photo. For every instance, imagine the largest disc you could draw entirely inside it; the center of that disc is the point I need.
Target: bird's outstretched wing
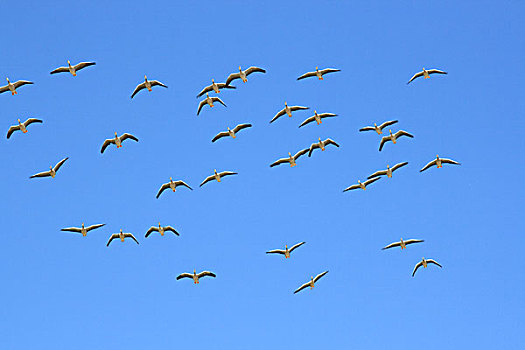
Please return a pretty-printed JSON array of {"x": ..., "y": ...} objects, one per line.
[
  {"x": 306, "y": 75},
  {"x": 301, "y": 153},
  {"x": 296, "y": 246},
  {"x": 169, "y": 228},
  {"x": 306, "y": 285},
  {"x": 60, "y": 70},
  {"x": 206, "y": 274},
  {"x": 398, "y": 165},
  {"x": 130, "y": 235},
  {"x": 227, "y": 173},
  {"x": 412, "y": 241},
  {"x": 83, "y": 65},
  {"x": 22, "y": 83},
  {"x": 220, "y": 135},
  {"x": 306, "y": 121},
  {"x": 403, "y": 133},
  {"x": 93, "y": 227},
  {"x": 241, "y": 126},
  {"x": 430, "y": 261},
  {"x": 42, "y": 174},
  {"x": 329, "y": 70},
  {"x": 59, "y": 164},
  {"x": 418, "y": 265},
  {"x": 392, "y": 245},
  {"x": 353, "y": 187},
  {"x": 253, "y": 69},
  {"x": 436, "y": 71},
  {"x": 280, "y": 161},
  {"x": 157, "y": 83},
  {"x": 31, "y": 121},
  {"x": 71, "y": 229},
  {"x": 319, "y": 276},
  {"x": 151, "y": 230},
  {"x": 312, "y": 148},
  {"x": 276, "y": 251},
  {"x": 128, "y": 136},
  {"x": 162, "y": 189},
  {"x": 184, "y": 275},
  {"x": 384, "y": 139},
  {"x": 432, "y": 163},
  {"x": 182, "y": 183},
  {"x": 368, "y": 182},
  {"x": 387, "y": 123},
  {"x": 106, "y": 144},
  {"x": 205, "y": 90},
  {"x": 217, "y": 99},
  {"x": 138, "y": 88},
  {"x": 367, "y": 128},
  {"x": 12, "y": 129},
  {"x": 449, "y": 161},
  {"x": 417, "y": 75},
  {"x": 201, "y": 104},
  {"x": 232, "y": 77},
  {"x": 377, "y": 174},
  {"x": 279, "y": 114},
  {"x": 113, "y": 236},
  {"x": 208, "y": 179}
]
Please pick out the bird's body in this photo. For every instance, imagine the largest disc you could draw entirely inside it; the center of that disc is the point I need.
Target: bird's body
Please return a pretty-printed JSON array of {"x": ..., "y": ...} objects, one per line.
[
  {"x": 318, "y": 118},
  {"x": 13, "y": 86},
  {"x": 393, "y": 137},
  {"x": 426, "y": 73},
  {"x": 196, "y": 276},
  {"x": 172, "y": 185},
  {"x": 52, "y": 170},
  {"x": 117, "y": 141},
  {"x": 216, "y": 87},
  {"x": 209, "y": 101},
  {"x": 288, "y": 111},
  {"x": 72, "y": 69},
  {"x": 361, "y": 185},
  {"x": 321, "y": 145},
  {"x": 22, "y": 126},
  {"x": 388, "y": 172},
  {"x": 243, "y": 74},
  {"x": 403, "y": 244},
  {"x": 121, "y": 235},
  {"x": 378, "y": 129},
  {"x": 424, "y": 262},
  {"x": 217, "y": 176},
  {"x": 311, "y": 283},
  {"x": 231, "y": 132},
  {"x": 147, "y": 84},
  {"x": 161, "y": 229},
  {"x": 318, "y": 73},
  {"x": 286, "y": 252},
  {"x": 438, "y": 162},
  {"x": 82, "y": 229},
  {"x": 290, "y": 159}
]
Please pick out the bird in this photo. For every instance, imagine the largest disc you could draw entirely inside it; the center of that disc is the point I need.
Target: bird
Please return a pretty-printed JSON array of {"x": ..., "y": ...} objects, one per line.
[
  {"x": 321, "y": 145},
  {"x": 231, "y": 132},
  {"x": 82, "y": 229},
  {"x": 217, "y": 176},
  {"x": 147, "y": 84},
  {"x": 402, "y": 243},
  {"x": 243, "y": 74},
  {"x": 389, "y": 170},
  {"x": 318, "y": 73},
  {"x": 172, "y": 185},
  {"x": 318, "y": 118},
  {"x": 209, "y": 101},
  {"x": 361, "y": 185},
  {"x": 311, "y": 283},
  {"x": 121, "y": 235},
  {"x": 73, "y": 69},
  {"x": 291, "y": 159},
  {"x": 161, "y": 230},
  {"x": 13, "y": 86},
  {"x": 378, "y": 129},
  {"x": 424, "y": 262},
  {"x": 438, "y": 162},
  {"x": 196, "y": 276},
  {"x": 286, "y": 252},
  {"x": 393, "y": 137},
  {"x": 426, "y": 73},
  {"x": 288, "y": 111},
  {"x": 22, "y": 126},
  {"x": 117, "y": 141},
  {"x": 52, "y": 170},
  {"x": 215, "y": 87}
]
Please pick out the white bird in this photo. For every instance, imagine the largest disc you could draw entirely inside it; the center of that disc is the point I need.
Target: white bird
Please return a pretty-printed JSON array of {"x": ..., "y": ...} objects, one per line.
[
  {"x": 52, "y": 170},
  {"x": 291, "y": 159},
  {"x": 321, "y": 145},
  {"x": 389, "y": 170},
  {"x": 172, "y": 185},
  {"x": 121, "y": 235},
  {"x": 22, "y": 126},
  {"x": 147, "y": 84},
  {"x": 393, "y": 137},
  {"x": 73, "y": 69},
  {"x": 426, "y": 73},
  {"x": 82, "y": 229},
  {"x": 215, "y": 87},
  {"x": 161, "y": 230},
  {"x": 231, "y": 132},
  {"x": 311, "y": 283},
  {"x": 424, "y": 262},
  {"x": 318, "y": 118},
  {"x": 361, "y": 185},
  {"x": 243, "y": 74},
  {"x": 318, "y": 73},
  {"x": 217, "y": 176},
  {"x": 286, "y": 252},
  {"x": 209, "y": 101},
  {"x": 117, "y": 140},
  {"x": 13, "y": 86},
  {"x": 402, "y": 244},
  {"x": 438, "y": 162},
  {"x": 378, "y": 129},
  {"x": 196, "y": 276},
  {"x": 288, "y": 111}
]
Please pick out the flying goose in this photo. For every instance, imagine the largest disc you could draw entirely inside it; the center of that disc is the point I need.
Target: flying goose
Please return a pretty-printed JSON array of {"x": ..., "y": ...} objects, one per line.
[
  {"x": 73, "y": 69},
  {"x": 389, "y": 170},
  {"x": 196, "y": 276},
  {"x": 231, "y": 132},
  {"x": 378, "y": 129},
  {"x": 288, "y": 111},
  {"x": 217, "y": 176},
  {"x": 13, "y": 86},
  {"x": 243, "y": 74},
  {"x": 318, "y": 118},
  {"x": 22, "y": 126},
  {"x": 426, "y": 73},
  {"x": 321, "y": 145},
  {"x": 52, "y": 170},
  {"x": 117, "y": 141},
  {"x": 402, "y": 244},
  {"x": 121, "y": 235},
  {"x": 311, "y": 283},
  {"x": 209, "y": 101},
  {"x": 215, "y": 87},
  {"x": 424, "y": 262},
  {"x": 318, "y": 73},
  {"x": 172, "y": 185},
  {"x": 161, "y": 230},
  {"x": 393, "y": 137},
  {"x": 361, "y": 185},
  {"x": 291, "y": 159},
  {"x": 286, "y": 252},
  {"x": 438, "y": 162},
  {"x": 147, "y": 84},
  {"x": 82, "y": 229}
]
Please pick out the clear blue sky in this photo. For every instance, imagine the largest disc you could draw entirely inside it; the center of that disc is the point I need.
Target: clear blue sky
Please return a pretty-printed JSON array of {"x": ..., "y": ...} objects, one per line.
[{"x": 64, "y": 291}]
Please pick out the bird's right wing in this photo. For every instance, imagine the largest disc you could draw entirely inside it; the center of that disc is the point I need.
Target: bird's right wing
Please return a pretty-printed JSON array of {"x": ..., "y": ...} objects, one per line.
[
  {"x": 398, "y": 165},
  {"x": 217, "y": 99},
  {"x": 253, "y": 70},
  {"x": 42, "y": 174},
  {"x": 376, "y": 174},
  {"x": 205, "y": 90},
  {"x": 241, "y": 126},
  {"x": 209, "y": 178},
  {"x": 227, "y": 173},
  {"x": 279, "y": 114},
  {"x": 418, "y": 265},
  {"x": 306, "y": 75},
  {"x": 368, "y": 182},
  {"x": 138, "y": 88},
  {"x": 383, "y": 140},
  {"x": 312, "y": 147},
  {"x": 71, "y": 229},
  {"x": 280, "y": 161},
  {"x": 60, "y": 70},
  {"x": 392, "y": 245},
  {"x": 367, "y": 128},
  {"x": 106, "y": 144},
  {"x": 298, "y": 108},
  {"x": 162, "y": 189},
  {"x": 276, "y": 251},
  {"x": 128, "y": 136},
  {"x": 157, "y": 83},
  {"x": 301, "y": 153},
  {"x": 412, "y": 241},
  {"x": 353, "y": 187},
  {"x": 184, "y": 275},
  {"x": 113, "y": 236},
  {"x": 449, "y": 161},
  {"x": 306, "y": 285},
  {"x": 92, "y": 227},
  {"x": 22, "y": 83},
  {"x": 432, "y": 163},
  {"x": 83, "y": 65},
  {"x": 307, "y": 120},
  {"x": 130, "y": 235},
  {"x": 430, "y": 261},
  {"x": 12, "y": 130},
  {"x": 31, "y": 121},
  {"x": 206, "y": 274},
  {"x": 201, "y": 104},
  {"x": 417, "y": 75},
  {"x": 4, "y": 88},
  {"x": 182, "y": 183},
  {"x": 232, "y": 77},
  {"x": 151, "y": 229}
]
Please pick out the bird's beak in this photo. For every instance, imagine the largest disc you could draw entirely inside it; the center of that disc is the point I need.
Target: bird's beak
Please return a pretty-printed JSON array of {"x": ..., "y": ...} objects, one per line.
[
  {"x": 240, "y": 68},
  {"x": 68, "y": 62},
  {"x": 319, "y": 139},
  {"x": 170, "y": 178},
  {"x": 115, "y": 133},
  {"x": 316, "y": 68},
  {"x": 212, "y": 80},
  {"x": 145, "y": 78},
  {"x": 289, "y": 154},
  {"x": 19, "y": 120}
]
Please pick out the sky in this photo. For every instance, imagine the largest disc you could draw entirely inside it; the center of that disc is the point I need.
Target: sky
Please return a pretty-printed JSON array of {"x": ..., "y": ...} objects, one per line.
[{"x": 61, "y": 290}]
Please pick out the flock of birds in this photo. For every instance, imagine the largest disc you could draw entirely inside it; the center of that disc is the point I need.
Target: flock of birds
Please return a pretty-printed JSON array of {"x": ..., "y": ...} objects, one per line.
[{"x": 218, "y": 176}]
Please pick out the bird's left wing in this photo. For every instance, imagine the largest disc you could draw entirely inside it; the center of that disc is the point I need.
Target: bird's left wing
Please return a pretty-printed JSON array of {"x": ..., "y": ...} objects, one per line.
[
  {"x": 82, "y": 65},
  {"x": 300, "y": 153},
  {"x": 241, "y": 126},
  {"x": 296, "y": 246},
  {"x": 130, "y": 235},
  {"x": 59, "y": 164},
  {"x": 319, "y": 276},
  {"x": 22, "y": 83},
  {"x": 254, "y": 70},
  {"x": 157, "y": 83},
  {"x": 128, "y": 136}
]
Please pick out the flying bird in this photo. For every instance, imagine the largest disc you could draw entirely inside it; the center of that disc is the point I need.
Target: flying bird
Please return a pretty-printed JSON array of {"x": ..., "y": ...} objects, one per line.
[
  {"x": 286, "y": 252},
  {"x": 361, "y": 185},
  {"x": 231, "y": 132},
  {"x": 393, "y": 137},
  {"x": 22, "y": 126},
  {"x": 424, "y": 262},
  {"x": 217, "y": 176},
  {"x": 209, "y": 101},
  {"x": 82, "y": 229},
  {"x": 318, "y": 73},
  {"x": 147, "y": 84},
  {"x": 438, "y": 162},
  {"x": 215, "y": 87},
  {"x": 402, "y": 244},
  {"x": 426, "y": 73},
  {"x": 161, "y": 230},
  {"x": 311, "y": 283},
  {"x": 243, "y": 74},
  {"x": 318, "y": 118},
  {"x": 13, "y": 86},
  {"x": 117, "y": 141},
  {"x": 121, "y": 235},
  {"x": 378, "y": 129},
  {"x": 389, "y": 170},
  {"x": 291, "y": 159},
  {"x": 52, "y": 170},
  {"x": 73, "y": 69},
  {"x": 172, "y": 185},
  {"x": 321, "y": 145},
  {"x": 288, "y": 111},
  {"x": 196, "y": 276}
]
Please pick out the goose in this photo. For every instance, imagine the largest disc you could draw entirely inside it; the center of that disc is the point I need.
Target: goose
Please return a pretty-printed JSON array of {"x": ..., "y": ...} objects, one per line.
[
  {"x": 426, "y": 73},
  {"x": 13, "y": 86},
  {"x": 311, "y": 283},
  {"x": 288, "y": 111},
  {"x": 243, "y": 74},
  {"x": 402, "y": 244},
  {"x": 52, "y": 170},
  {"x": 196, "y": 276},
  {"x": 318, "y": 118},
  {"x": 121, "y": 235},
  {"x": 117, "y": 141},
  {"x": 73, "y": 69},
  {"x": 82, "y": 229},
  {"x": 378, "y": 129},
  {"x": 286, "y": 252},
  {"x": 291, "y": 159},
  {"x": 318, "y": 73},
  {"x": 321, "y": 145},
  {"x": 22, "y": 126},
  {"x": 393, "y": 137},
  {"x": 231, "y": 132},
  {"x": 172, "y": 185},
  {"x": 209, "y": 101},
  {"x": 438, "y": 162},
  {"x": 217, "y": 176},
  {"x": 389, "y": 170},
  {"x": 215, "y": 87},
  {"x": 147, "y": 84},
  {"x": 161, "y": 230},
  {"x": 361, "y": 185},
  {"x": 424, "y": 262}
]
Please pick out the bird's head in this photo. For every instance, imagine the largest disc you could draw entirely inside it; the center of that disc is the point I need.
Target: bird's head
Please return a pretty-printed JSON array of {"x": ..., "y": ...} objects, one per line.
[
  {"x": 159, "y": 224},
  {"x": 145, "y": 77},
  {"x": 285, "y": 103},
  {"x": 437, "y": 156},
  {"x": 319, "y": 139},
  {"x": 7, "y": 79},
  {"x": 359, "y": 182},
  {"x": 69, "y": 63},
  {"x": 290, "y": 154},
  {"x": 171, "y": 179},
  {"x": 82, "y": 225},
  {"x": 312, "y": 278},
  {"x": 207, "y": 95},
  {"x": 316, "y": 68},
  {"x": 390, "y": 131},
  {"x": 423, "y": 259},
  {"x": 228, "y": 129},
  {"x": 19, "y": 120},
  {"x": 240, "y": 70},
  {"x": 50, "y": 167},
  {"x": 388, "y": 166},
  {"x": 115, "y": 133},
  {"x": 215, "y": 171},
  {"x": 194, "y": 272},
  {"x": 120, "y": 231},
  {"x": 315, "y": 112},
  {"x": 285, "y": 246},
  {"x": 213, "y": 81},
  {"x": 375, "y": 124}
]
